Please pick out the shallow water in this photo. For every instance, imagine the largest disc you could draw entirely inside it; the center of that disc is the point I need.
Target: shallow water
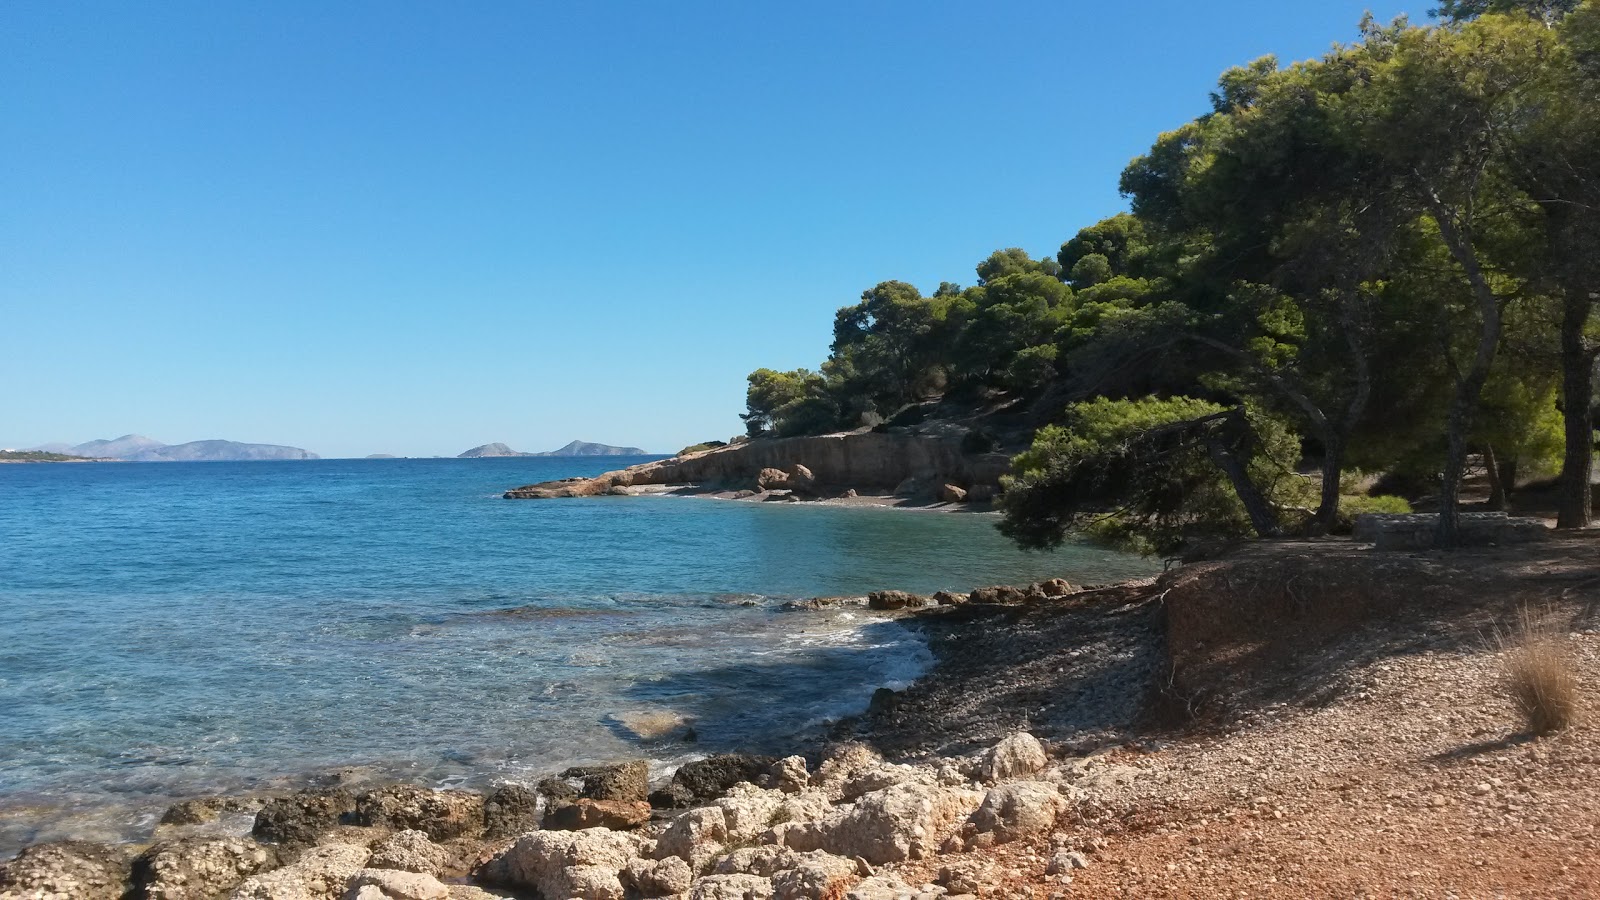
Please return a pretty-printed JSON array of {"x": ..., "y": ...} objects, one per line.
[{"x": 173, "y": 629}]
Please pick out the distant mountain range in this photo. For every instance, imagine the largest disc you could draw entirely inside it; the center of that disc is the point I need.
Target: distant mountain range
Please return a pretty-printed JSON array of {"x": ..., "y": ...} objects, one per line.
[
  {"x": 138, "y": 448},
  {"x": 576, "y": 448}
]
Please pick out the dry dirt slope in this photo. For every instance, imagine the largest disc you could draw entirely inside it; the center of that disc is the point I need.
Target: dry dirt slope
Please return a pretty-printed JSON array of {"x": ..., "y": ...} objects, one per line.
[{"x": 1300, "y": 720}]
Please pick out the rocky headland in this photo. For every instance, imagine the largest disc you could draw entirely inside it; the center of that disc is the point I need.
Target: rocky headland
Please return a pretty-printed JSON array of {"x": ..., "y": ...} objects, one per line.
[
  {"x": 1300, "y": 718},
  {"x": 928, "y": 466},
  {"x": 573, "y": 448}
]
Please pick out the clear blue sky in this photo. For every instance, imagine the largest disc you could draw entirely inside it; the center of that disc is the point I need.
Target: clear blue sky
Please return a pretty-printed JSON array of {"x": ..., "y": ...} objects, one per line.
[{"x": 413, "y": 227}]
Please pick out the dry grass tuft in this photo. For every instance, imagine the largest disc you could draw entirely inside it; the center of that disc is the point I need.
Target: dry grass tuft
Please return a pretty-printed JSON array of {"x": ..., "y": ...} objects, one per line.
[{"x": 1540, "y": 671}]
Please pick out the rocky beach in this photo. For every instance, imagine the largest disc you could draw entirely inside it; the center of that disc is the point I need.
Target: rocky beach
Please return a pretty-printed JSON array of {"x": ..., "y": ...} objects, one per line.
[{"x": 1292, "y": 718}]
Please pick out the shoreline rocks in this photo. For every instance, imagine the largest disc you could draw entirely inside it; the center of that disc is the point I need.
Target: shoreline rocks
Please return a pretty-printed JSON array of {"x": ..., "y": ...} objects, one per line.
[
  {"x": 934, "y": 467},
  {"x": 754, "y": 826}
]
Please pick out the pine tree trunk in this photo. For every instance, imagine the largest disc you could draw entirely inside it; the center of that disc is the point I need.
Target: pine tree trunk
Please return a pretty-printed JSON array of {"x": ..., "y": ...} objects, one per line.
[
  {"x": 1263, "y": 518},
  {"x": 1577, "y": 390},
  {"x": 1497, "y": 485},
  {"x": 1332, "y": 471},
  {"x": 1464, "y": 404}
]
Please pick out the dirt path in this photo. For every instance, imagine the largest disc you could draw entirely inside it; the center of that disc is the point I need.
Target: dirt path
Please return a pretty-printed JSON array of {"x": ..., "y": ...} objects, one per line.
[{"x": 1356, "y": 741}]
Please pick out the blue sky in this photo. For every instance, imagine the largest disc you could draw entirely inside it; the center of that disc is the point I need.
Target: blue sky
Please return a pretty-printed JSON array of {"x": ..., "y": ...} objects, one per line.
[{"x": 412, "y": 227}]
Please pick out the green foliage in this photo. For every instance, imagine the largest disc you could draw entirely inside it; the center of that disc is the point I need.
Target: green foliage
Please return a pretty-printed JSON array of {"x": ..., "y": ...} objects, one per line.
[
  {"x": 788, "y": 403},
  {"x": 1091, "y": 270},
  {"x": 1383, "y": 254},
  {"x": 1360, "y": 504},
  {"x": 36, "y": 456},
  {"x": 702, "y": 447},
  {"x": 1137, "y": 473},
  {"x": 1465, "y": 10}
]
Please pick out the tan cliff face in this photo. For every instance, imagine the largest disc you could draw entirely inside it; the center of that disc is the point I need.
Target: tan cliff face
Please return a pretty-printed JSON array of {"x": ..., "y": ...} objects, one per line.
[{"x": 864, "y": 461}]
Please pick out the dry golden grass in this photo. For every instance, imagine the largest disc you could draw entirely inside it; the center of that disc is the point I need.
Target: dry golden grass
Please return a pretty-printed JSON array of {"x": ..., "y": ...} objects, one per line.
[{"x": 1540, "y": 671}]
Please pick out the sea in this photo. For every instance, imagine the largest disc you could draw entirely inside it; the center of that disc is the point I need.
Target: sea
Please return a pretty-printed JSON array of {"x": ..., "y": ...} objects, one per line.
[{"x": 171, "y": 630}]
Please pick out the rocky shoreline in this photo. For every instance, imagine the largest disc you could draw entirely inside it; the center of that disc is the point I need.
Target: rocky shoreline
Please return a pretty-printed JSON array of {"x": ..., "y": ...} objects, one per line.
[
  {"x": 821, "y": 823},
  {"x": 917, "y": 467},
  {"x": 1187, "y": 735}
]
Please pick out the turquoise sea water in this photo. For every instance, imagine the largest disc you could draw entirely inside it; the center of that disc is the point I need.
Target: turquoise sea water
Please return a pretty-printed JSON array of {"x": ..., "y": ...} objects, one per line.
[{"x": 175, "y": 629}]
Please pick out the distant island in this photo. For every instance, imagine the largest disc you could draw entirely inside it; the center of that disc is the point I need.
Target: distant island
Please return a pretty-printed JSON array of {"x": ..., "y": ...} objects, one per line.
[
  {"x": 138, "y": 448},
  {"x": 576, "y": 448},
  {"x": 35, "y": 456}
]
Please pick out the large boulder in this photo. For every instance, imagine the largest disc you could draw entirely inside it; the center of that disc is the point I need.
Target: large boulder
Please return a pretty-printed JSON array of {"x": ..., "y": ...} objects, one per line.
[
  {"x": 70, "y": 870},
  {"x": 707, "y": 779},
  {"x": 801, "y": 481},
  {"x": 573, "y": 865},
  {"x": 881, "y": 777},
  {"x": 894, "y": 600},
  {"x": 298, "y": 819},
  {"x": 619, "y": 781},
  {"x": 696, "y": 837},
  {"x": 1017, "y": 810},
  {"x": 951, "y": 493},
  {"x": 409, "y": 851},
  {"x": 199, "y": 868},
  {"x": 791, "y": 775},
  {"x": 1001, "y": 594},
  {"x": 889, "y": 887},
  {"x": 1017, "y": 756},
  {"x": 321, "y": 873},
  {"x": 440, "y": 814},
  {"x": 749, "y": 810},
  {"x": 902, "y": 822},
  {"x": 618, "y": 815},
  {"x": 658, "y": 877},
  {"x": 765, "y": 860},
  {"x": 771, "y": 479},
  {"x": 388, "y": 884},
  {"x": 510, "y": 810},
  {"x": 815, "y": 876},
  {"x": 732, "y": 887}
]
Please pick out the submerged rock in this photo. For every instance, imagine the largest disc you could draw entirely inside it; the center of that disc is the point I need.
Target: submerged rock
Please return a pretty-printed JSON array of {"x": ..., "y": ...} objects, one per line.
[{"x": 204, "y": 810}]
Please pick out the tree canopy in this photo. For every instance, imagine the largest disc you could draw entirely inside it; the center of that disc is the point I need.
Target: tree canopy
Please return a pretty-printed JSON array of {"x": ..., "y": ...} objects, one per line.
[{"x": 1381, "y": 259}]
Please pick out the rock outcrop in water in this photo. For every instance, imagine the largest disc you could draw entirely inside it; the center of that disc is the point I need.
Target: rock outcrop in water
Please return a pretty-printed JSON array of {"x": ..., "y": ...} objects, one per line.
[{"x": 866, "y": 461}]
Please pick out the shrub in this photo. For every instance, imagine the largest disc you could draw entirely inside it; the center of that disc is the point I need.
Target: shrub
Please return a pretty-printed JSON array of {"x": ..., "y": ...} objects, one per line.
[
  {"x": 702, "y": 447},
  {"x": 1352, "y": 505},
  {"x": 1539, "y": 672}
]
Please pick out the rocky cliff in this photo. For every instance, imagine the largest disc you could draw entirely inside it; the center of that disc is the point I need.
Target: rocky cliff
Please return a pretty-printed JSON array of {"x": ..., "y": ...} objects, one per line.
[{"x": 865, "y": 461}]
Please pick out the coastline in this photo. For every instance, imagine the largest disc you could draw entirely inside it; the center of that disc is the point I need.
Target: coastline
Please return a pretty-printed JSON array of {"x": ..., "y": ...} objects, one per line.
[{"x": 1078, "y": 741}]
